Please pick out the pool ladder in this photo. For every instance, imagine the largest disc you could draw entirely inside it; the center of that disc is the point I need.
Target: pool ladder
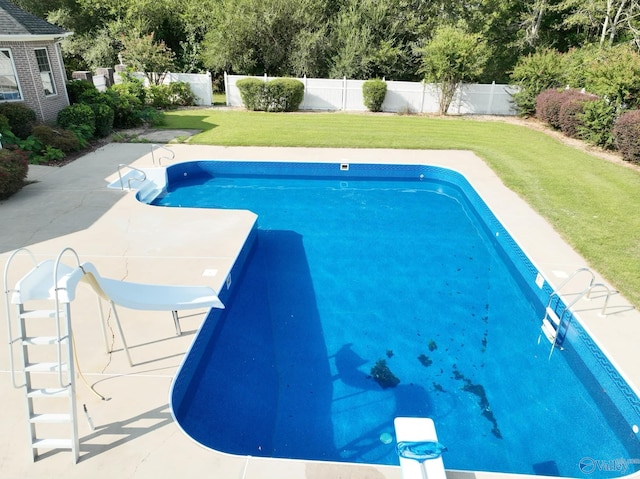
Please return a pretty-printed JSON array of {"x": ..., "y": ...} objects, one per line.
[
  {"x": 45, "y": 334},
  {"x": 557, "y": 316}
]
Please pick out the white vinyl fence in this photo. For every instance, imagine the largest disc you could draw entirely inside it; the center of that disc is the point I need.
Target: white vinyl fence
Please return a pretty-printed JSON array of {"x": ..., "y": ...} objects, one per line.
[
  {"x": 200, "y": 84},
  {"x": 406, "y": 97}
]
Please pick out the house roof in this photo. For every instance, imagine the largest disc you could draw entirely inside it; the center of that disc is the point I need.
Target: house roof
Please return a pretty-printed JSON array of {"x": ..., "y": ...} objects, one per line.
[{"x": 17, "y": 24}]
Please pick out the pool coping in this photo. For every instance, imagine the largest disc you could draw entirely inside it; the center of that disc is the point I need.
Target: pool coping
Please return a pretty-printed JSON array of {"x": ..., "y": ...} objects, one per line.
[{"x": 115, "y": 235}]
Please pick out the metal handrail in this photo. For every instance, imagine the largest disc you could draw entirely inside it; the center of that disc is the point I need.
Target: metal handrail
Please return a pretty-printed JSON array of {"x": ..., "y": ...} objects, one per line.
[
  {"x": 160, "y": 147},
  {"x": 609, "y": 293},
  {"x": 585, "y": 293},
  {"x": 141, "y": 180},
  {"x": 571, "y": 276},
  {"x": 57, "y": 302},
  {"x": 7, "y": 292}
]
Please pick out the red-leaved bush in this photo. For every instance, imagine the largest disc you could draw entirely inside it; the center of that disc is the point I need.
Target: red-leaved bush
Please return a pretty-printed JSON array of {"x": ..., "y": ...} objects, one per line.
[
  {"x": 549, "y": 104},
  {"x": 570, "y": 117},
  {"x": 626, "y": 135}
]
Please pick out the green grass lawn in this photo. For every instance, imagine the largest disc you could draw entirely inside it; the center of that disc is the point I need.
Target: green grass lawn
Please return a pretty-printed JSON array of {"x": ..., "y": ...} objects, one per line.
[{"x": 593, "y": 203}]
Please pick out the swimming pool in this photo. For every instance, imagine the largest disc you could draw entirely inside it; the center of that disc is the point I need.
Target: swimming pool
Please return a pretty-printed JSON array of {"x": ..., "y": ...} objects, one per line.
[{"x": 351, "y": 268}]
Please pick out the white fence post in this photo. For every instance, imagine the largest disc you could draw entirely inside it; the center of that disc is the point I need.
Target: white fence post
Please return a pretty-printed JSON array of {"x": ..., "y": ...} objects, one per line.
[
  {"x": 226, "y": 89},
  {"x": 304, "y": 95},
  {"x": 344, "y": 93},
  {"x": 490, "y": 106}
]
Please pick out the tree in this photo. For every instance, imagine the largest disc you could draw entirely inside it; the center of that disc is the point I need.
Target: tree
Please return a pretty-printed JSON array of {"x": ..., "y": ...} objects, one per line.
[
  {"x": 279, "y": 37},
  {"x": 451, "y": 57},
  {"x": 374, "y": 39},
  {"x": 154, "y": 59},
  {"x": 604, "y": 20}
]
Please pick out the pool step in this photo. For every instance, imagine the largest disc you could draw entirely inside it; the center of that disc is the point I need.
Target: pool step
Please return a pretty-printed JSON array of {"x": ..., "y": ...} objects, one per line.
[
  {"x": 553, "y": 316},
  {"x": 550, "y": 328}
]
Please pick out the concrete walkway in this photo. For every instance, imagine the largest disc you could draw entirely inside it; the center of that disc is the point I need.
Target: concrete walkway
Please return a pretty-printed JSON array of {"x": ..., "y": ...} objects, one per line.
[{"x": 135, "y": 435}]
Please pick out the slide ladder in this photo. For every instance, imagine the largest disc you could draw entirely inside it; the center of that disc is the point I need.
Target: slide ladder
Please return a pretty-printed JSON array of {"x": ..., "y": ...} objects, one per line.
[
  {"x": 557, "y": 317},
  {"x": 40, "y": 327}
]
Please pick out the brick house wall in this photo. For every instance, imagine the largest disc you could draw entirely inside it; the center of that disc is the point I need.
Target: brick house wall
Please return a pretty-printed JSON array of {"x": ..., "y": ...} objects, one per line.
[{"x": 24, "y": 59}]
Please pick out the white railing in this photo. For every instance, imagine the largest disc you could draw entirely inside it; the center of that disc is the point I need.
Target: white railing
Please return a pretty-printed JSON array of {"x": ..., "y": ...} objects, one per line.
[{"x": 405, "y": 97}]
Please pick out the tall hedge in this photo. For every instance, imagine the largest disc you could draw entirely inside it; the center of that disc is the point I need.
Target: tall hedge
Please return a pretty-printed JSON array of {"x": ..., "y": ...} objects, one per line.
[
  {"x": 373, "y": 93},
  {"x": 626, "y": 135},
  {"x": 280, "y": 94}
]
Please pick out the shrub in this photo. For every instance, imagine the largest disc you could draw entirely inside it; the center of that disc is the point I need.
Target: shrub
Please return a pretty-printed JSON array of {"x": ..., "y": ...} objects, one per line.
[
  {"x": 169, "y": 96},
  {"x": 48, "y": 154},
  {"x": 181, "y": 94},
  {"x": 4, "y": 124},
  {"x": 13, "y": 171},
  {"x": 78, "y": 114},
  {"x": 158, "y": 96},
  {"x": 614, "y": 73},
  {"x": 132, "y": 86},
  {"x": 152, "y": 116},
  {"x": 597, "y": 122},
  {"x": 626, "y": 135},
  {"x": 548, "y": 105},
  {"x": 77, "y": 88},
  {"x": 82, "y": 132},
  {"x": 64, "y": 140},
  {"x": 252, "y": 92},
  {"x": 570, "y": 117},
  {"x": 127, "y": 108},
  {"x": 8, "y": 138},
  {"x": 373, "y": 93},
  {"x": 91, "y": 97},
  {"x": 535, "y": 73},
  {"x": 21, "y": 118},
  {"x": 104, "y": 116},
  {"x": 284, "y": 94},
  {"x": 280, "y": 94}
]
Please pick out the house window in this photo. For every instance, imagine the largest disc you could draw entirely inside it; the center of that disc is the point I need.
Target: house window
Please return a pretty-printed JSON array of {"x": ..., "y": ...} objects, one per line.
[
  {"x": 46, "y": 75},
  {"x": 9, "y": 86}
]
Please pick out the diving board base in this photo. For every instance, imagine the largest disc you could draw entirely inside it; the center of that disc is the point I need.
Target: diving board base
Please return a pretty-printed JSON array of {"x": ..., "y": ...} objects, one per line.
[{"x": 418, "y": 429}]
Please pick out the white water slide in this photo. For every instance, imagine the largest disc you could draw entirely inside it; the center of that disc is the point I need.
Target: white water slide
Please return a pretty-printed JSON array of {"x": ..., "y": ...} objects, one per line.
[{"x": 56, "y": 281}]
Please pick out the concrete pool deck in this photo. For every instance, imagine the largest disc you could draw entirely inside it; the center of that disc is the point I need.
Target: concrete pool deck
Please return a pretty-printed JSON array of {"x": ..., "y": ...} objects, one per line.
[{"x": 134, "y": 434}]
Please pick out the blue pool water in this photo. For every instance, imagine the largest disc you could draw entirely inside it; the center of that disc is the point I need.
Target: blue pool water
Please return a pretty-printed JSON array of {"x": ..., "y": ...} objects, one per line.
[{"x": 380, "y": 292}]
